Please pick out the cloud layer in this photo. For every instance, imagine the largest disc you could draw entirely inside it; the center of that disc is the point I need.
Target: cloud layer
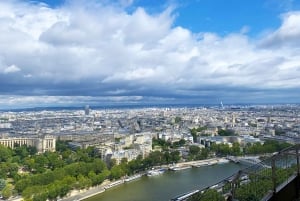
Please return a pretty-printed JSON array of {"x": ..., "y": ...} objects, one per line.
[{"x": 98, "y": 49}]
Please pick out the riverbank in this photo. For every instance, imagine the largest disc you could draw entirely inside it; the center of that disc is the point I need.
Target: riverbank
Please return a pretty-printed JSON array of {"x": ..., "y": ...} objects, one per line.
[
  {"x": 170, "y": 184},
  {"x": 78, "y": 195},
  {"x": 199, "y": 163}
]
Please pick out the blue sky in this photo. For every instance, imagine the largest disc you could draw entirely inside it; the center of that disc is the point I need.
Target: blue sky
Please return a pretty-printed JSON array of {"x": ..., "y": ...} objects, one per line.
[
  {"x": 95, "y": 52},
  {"x": 218, "y": 16}
]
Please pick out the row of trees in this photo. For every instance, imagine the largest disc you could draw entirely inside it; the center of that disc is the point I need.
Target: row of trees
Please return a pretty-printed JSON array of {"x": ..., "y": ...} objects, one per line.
[
  {"x": 57, "y": 173},
  {"x": 195, "y": 132},
  {"x": 166, "y": 145},
  {"x": 51, "y": 175},
  {"x": 155, "y": 158},
  {"x": 197, "y": 153},
  {"x": 208, "y": 195},
  {"x": 269, "y": 146},
  {"x": 226, "y": 132},
  {"x": 58, "y": 182}
]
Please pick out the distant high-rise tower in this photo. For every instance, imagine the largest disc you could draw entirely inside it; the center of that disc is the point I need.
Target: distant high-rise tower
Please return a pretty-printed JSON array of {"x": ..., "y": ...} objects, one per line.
[
  {"x": 221, "y": 105},
  {"x": 87, "y": 110},
  {"x": 233, "y": 120}
]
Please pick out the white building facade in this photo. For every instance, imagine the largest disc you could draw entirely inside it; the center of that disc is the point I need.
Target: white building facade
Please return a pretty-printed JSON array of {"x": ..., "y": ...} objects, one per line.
[{"x": 47, "y": 143}]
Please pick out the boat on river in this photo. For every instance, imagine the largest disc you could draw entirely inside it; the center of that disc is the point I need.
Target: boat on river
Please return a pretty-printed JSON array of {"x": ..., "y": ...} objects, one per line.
[
  {"x": 155, "y": 172},
  {"x": 129, "y": 179},
  {"x": 116, "y": 183},
  {"x": 176, "y": 168}
]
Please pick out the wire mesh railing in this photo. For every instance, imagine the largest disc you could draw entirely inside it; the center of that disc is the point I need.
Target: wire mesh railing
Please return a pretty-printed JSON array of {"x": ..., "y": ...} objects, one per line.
[{"x": 255, "y": 182}]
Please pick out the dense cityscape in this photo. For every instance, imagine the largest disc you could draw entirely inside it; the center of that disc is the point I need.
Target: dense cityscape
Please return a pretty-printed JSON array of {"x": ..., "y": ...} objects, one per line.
[
  {"x": 113, "y": 130},
  {"x": 144, "y": 100},
  {"x": 130, "y": 141}
]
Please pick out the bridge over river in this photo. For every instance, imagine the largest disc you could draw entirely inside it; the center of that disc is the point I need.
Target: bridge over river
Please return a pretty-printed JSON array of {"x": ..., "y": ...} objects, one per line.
[{"x": 248, "y": 160}]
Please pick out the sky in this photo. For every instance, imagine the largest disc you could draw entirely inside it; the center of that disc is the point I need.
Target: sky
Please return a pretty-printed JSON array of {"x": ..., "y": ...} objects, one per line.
[{"x": 101, "y": 52}]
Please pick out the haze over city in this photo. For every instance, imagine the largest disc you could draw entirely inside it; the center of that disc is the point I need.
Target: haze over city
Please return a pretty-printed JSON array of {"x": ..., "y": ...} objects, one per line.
[{"x": 66, "y": 53}]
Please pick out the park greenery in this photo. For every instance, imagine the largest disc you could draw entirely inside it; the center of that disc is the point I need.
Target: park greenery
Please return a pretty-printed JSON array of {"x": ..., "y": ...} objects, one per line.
[
  {"x": 38, "y": 177},
  {"x": 226, "y": 132},
  {"x": 50, "y": 175},
  {"x": 208, "y": 195},
  {"x": 178, "y": 120},
  {"x": 195, "y": 132},
  {"x": 221, "y": 150},
  {"x": 166, "y": 145}
]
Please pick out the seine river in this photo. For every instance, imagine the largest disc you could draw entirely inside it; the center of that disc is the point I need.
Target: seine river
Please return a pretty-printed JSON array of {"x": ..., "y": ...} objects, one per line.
[{"x": 168, "y": 185}]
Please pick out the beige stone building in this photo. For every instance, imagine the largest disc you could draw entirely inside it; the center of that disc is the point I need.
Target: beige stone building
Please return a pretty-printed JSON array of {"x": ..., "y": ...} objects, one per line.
[{"x": 47, "y": 143}]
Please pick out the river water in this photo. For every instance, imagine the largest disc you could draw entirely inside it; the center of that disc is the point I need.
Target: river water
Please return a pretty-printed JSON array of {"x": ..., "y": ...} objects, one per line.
[{"x": 168, "y": 185}]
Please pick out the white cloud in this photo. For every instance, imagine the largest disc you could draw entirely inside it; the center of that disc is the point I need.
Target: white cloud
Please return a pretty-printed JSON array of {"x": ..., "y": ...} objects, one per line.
[
  {"x": 287, "y": 34},
  {"x": 46, "y": 101},
  {"x": 101, "y": 46},
  {"x": 28, "y": 76},
  {"x": 11, "y": 69}
]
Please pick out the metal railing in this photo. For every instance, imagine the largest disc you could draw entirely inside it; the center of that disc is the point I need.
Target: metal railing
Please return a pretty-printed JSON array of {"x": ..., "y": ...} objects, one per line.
[{"x": 258, "y": 182}]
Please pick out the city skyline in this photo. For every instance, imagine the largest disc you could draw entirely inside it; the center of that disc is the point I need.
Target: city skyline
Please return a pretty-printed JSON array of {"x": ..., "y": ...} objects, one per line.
[{"x": 66, "y": 53}]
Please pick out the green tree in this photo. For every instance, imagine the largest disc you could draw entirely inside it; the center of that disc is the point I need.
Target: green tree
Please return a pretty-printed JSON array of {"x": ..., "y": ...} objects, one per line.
[
  {"x": 69, "y": 180},
  {"x": 194, "y": 150},
  {"x": 194, "y": 134},
  {"x": 4, "y": 170},
  {"x": 54, "y": 160},
  {"x": 180, "y": 143},
  {"x": 53, "y": 191},
  {"x": 40, "y": 197},
  {"x": 7, "y": 191},
  {"x": 155, "y": 158},
  {"x": 2, "y": 184},
  {"x": 82, "y": 155},
  {"x": 227, "y": 132},
  {"x": 98, "y": 166},
  {"x": 161, "y": 143},
  {"x": 116, "y": 172},
  {"x": 203, "y": 154},
  {"x": 63, "y": 190},
  {"x": 61, "y": 146},
  {"x": 112, "y": 163},
  {"x": 195, "y": 131},
  {"x": 177, "y": 120},
  {"x": 174, "y": 157},
  {"x": 221, "y": 149},
  {"x": 124, "y": 166},
  {"x": 40, "y": 163},
  {"x": 22, "y": 184},
  {"x": 235, "y": 149},
  {"x": 102, "y": 176},
  {"x": 21, "y": 151},
  {"x": 32, "y": 150},
  {"x": 269, "y": 146},
  {"x": 5, "y": 153},
  {"x": 29, "y": 163},
  {"x": 208, "y": 195},
  {"x": 136, "y": 165},
  {"x": 93, "y": 177},
  {"x": 82, "y": 182}
]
